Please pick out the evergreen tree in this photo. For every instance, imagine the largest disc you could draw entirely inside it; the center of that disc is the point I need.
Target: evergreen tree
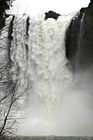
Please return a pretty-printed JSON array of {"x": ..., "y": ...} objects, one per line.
[{"x": 4, "y": 5}]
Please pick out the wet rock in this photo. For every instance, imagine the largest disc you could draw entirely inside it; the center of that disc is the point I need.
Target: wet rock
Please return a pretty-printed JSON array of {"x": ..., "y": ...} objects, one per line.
[
  {"x": 79, "y": 40},
  {"x": 51, "y": 14}
]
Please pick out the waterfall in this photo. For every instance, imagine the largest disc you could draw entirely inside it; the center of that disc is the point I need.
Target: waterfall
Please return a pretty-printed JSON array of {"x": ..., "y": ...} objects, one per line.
[
  {"x": 39, "y": 54},
  {"x": 79, "y": 52},
  {"x": 39, "y": 62},
  {"x": 54, "y": 101}
]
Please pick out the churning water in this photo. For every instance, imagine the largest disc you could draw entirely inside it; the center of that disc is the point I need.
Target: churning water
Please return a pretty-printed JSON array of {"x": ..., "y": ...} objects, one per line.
[
  {"x": 54, "y": 102},
  {"x": 54, "y": 138}
]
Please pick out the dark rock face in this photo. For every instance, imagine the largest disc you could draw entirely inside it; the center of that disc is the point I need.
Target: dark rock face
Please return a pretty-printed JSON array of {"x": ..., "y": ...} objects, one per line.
[
  {"x": 10, "y": 37},
  {"x": 79, "y": 40},
  {"x": 27, "y": 25},
  {"x": 72, "y": 37},
  {"x": 51, "y": 14}
]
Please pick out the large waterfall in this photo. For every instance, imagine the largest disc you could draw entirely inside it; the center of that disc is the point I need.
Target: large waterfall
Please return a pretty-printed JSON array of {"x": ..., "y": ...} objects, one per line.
[
  {"x": 39, "y": 52},
  {"x": 40, "y": 56},
  {"x": 52, "y": 103}
]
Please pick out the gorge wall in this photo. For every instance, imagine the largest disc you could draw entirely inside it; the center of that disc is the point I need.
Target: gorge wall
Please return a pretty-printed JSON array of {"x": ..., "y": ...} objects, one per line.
[{"x": 79, "y": 40}]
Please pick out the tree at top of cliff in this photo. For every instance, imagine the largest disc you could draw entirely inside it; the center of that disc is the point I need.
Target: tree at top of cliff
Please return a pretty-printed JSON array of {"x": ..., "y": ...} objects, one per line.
[
  {"x": 4, "y": 5},
  {"x": 51, "y": 14}
]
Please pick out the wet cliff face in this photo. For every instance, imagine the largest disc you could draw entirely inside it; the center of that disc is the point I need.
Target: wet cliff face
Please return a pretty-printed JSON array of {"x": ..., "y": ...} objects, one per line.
[{"x": 79, "y": 40}]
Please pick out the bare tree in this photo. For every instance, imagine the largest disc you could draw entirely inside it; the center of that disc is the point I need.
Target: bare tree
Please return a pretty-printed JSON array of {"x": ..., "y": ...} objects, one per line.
[
  {"x": 9, "y": 108},
  {"x": 9, "y": 88}
]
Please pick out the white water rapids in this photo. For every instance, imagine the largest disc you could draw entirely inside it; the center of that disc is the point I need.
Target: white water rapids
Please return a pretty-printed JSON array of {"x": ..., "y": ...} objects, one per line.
[{"x": 49, "y": 104}]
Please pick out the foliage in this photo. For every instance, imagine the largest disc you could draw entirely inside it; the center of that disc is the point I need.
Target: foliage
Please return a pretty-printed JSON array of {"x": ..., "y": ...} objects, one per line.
[{"x": 4, "y": 5}]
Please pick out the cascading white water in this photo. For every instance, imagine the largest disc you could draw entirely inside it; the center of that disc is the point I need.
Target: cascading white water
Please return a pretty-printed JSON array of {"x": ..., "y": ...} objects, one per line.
[
  {"x": 43, "y": 67},
  {"x": 40, "y": 58},
  {"x": 52, "y": 105}
]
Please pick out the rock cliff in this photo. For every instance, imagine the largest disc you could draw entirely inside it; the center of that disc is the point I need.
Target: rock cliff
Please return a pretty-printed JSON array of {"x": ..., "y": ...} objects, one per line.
[{"x": 79, "y": 40}]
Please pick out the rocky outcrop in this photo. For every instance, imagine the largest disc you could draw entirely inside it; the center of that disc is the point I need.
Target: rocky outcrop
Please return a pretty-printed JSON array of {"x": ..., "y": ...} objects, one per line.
[
  {"x": 51, "y": 14},
  {"x": 79, "y": 40}
]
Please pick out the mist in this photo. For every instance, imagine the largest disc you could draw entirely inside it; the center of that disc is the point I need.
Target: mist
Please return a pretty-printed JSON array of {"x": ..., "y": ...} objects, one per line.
[{"x": 72, "y": 114}]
